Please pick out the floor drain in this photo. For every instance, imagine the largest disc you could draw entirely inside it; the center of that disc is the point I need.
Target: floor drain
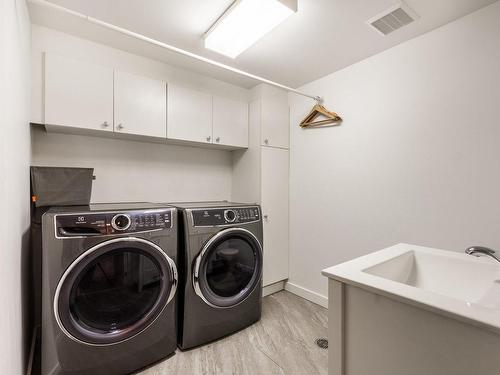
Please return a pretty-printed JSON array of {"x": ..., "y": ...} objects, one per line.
[{"x": 322, "y": 343}]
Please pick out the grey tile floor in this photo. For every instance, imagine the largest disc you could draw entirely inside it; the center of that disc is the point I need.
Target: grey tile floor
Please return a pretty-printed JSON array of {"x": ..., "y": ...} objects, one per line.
[{"x": 283, "y": 342}]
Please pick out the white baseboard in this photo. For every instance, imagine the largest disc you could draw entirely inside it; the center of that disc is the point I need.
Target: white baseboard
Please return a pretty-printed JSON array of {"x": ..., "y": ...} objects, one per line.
[
  {"x": 307, "y": 294},
  {"x": 273, "y": 288}
]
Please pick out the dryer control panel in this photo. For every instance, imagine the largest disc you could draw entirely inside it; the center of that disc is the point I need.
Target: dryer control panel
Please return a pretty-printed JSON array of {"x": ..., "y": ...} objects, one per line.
[
  {"x": 105, "y": 223},
  {"x": 225, "y": 216}
]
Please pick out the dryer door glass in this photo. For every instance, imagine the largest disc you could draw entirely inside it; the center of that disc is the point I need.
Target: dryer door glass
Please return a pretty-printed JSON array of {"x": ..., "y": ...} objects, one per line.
[
  {"x": 230, "y": 267},
  {"x": 115, "y": 292}
]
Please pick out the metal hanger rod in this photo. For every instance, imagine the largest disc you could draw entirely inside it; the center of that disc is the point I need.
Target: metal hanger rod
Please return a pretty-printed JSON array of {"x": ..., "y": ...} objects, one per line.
[{"x": 169, "y": 47}]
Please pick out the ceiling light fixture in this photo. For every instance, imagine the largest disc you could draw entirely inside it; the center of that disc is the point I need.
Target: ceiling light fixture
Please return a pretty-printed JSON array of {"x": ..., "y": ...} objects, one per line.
[{"x": 245, "y": 22}]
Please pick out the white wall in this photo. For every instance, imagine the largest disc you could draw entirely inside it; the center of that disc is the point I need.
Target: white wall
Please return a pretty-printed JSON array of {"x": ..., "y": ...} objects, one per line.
[
  {"x": 127, "y": 170},
  {"x": 416, "y": 159},
  {"x": 130, "y": 171},
  {"x": 14, "y": 181}
]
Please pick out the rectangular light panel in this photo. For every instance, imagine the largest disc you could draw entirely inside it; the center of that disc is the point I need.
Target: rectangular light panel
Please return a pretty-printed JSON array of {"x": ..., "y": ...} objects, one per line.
[{"x": 245, "y": 22}]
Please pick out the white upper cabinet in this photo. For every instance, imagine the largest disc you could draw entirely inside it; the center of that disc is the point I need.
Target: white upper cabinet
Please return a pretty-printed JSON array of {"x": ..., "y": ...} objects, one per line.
[
  {"x": 275, "y": 118},
  {"x": 82, "y": 97},
  {"x": 78, "y": 94},
  {"x": 189, "y": 114},
  {"x": 230, "y": 122},
  {"x": 140, "y": 105}
]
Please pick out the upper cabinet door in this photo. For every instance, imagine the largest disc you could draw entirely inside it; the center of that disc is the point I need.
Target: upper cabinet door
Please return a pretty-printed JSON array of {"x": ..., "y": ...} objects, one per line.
[
  {"x": 189, "y": 115},
  {"x": 230, "y": 122},
  {"x": 275, "y": 118},
  {"x": 140, "y": 105},
  {"x": 78, "y": 94}
]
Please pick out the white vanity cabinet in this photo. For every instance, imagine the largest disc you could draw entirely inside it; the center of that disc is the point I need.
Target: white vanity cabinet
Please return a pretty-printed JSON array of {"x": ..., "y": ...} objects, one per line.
[
  {"x": 189, "y": 114},
  {"x": 140, "y": 105},
  {"x": 78, "y": 94},
  {"x": 230, "y": 122}
]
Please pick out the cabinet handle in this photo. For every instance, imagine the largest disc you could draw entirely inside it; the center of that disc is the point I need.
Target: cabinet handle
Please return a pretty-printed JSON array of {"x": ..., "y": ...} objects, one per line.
[
  {"x": 120, "y": 126},
  {"x": 217, "y": 139},
  {"x": 208, "y": 139},
  {"x": 266, "y": 141},
  {"x": 105, "y": 124}
]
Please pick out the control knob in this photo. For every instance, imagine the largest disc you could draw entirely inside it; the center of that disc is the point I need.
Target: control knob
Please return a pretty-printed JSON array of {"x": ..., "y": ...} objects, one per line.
[
  {"x": 121, "y": 222},
  {"x": 230, "y": 216}
]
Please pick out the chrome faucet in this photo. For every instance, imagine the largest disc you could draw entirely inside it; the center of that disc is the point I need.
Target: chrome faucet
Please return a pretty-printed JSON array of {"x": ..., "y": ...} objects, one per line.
[{"x": 473, "y": 250}]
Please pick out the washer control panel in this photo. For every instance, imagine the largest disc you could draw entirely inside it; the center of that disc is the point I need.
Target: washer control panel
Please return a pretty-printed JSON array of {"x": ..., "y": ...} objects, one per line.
[
  {"x": 224, "y": 216},
  {"x": 104, "y": 223}
]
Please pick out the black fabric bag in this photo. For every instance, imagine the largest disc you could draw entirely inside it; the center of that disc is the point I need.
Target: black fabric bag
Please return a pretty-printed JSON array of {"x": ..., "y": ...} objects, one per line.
[{"x": 60, "y": 186}]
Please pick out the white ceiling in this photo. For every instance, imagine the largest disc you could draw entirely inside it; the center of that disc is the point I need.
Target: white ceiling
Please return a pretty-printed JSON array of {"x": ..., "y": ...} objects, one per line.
[{"x": 322, "y": 37}]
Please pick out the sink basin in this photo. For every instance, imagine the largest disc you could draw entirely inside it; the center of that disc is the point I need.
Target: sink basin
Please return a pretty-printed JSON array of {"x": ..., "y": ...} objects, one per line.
[
  {"x": 463, "y": 278},
  {"x": 463, "y": 285}
]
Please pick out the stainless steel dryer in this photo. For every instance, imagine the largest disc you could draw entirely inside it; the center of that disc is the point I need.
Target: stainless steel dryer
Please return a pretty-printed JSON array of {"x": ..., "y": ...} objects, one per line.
[
  {"x": 221, "y": 262},
  {"x": 109, "y": 280}
]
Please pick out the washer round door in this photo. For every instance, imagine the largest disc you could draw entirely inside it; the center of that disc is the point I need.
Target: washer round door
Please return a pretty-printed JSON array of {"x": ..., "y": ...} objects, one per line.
[
  {"x": 228, "y": 268},
  {"x": 114, "y": 291}
]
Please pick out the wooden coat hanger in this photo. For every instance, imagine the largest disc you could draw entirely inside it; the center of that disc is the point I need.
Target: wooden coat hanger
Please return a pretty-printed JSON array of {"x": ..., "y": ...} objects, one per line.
[{"x": 317, "y": 110}]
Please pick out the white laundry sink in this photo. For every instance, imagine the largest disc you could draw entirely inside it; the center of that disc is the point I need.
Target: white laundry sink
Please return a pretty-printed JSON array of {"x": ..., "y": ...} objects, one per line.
[
  {"x": 414, "y": 310},
  {"x": 463, "y": 285},
  {"x": 461, "y": 277}
]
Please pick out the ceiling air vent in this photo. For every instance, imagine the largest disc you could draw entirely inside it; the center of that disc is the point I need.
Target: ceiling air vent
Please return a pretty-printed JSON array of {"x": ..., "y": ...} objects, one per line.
[{"x": 394, "y": 18}]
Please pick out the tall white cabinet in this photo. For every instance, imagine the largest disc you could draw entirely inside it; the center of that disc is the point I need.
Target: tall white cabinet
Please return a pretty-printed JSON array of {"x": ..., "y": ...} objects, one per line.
[
  {"x": 275, "y": 114},
  {"x": 261, "y": 174},
  {"x": 274, "y": 201}
]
